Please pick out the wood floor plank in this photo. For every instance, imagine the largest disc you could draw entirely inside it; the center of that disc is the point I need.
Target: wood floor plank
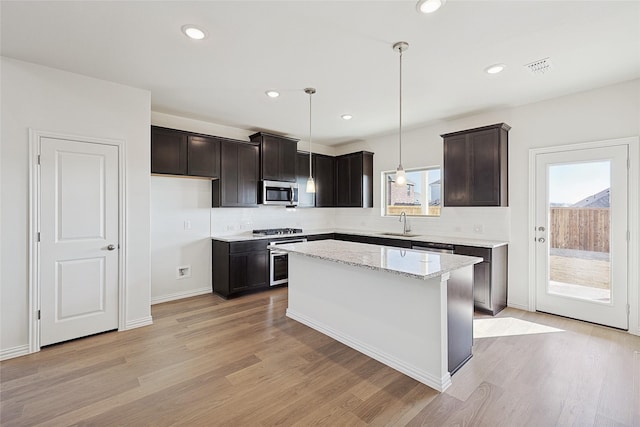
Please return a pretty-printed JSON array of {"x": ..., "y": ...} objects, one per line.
[{"x": 207, "y": 361}]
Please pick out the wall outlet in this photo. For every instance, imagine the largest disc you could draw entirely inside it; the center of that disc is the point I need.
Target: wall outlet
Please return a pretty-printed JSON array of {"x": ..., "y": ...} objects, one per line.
[
  {"x": 477, "y": 228},
  {"x": 183, "y": 271},
  {"x": 187, "y": 225}
]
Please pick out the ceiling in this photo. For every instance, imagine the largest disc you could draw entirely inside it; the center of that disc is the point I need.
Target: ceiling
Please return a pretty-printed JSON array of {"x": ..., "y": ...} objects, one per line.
[{"x": 342, "y": 48}]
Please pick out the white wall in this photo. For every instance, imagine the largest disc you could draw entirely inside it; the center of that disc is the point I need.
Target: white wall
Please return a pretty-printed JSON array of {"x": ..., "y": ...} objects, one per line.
[
  {"x": 46, "y": 99},
  {"x": 600, "y": 114},
  {"x": 175, "y": 201}
]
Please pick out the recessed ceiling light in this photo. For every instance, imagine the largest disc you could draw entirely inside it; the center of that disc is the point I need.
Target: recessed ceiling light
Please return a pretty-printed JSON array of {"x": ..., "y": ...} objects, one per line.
[
  {"x": 429, "y": 6},
  {"x": 495, "y": 68},
  {"x": 272, "y": 93},
  {"x": 193, "y": 32},
  {"x": 346, "y": 116}
]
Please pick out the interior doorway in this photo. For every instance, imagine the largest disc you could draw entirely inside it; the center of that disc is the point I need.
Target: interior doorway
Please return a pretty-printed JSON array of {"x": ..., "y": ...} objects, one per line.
[{"x": 76, "y": 256}]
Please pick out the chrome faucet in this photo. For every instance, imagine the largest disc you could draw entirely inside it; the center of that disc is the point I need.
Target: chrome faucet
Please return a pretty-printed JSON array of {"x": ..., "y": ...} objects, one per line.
[{"x": 403, "y": 219}]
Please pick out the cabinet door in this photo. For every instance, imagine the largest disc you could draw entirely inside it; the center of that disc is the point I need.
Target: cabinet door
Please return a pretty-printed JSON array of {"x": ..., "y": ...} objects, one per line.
[
  {"x": 355, "y": 181},
  {"x": 343, "y": 178},
  {"x": 456, "y": 168},
  {"x": 302, "y": 174},
  {"x": 248, "y": 270},
  {"x": 248, "y": 171},
  {"x": 228, "y": 174},
  {"x": 237, "y": 272},
  {"x": 277, "y": 157},
  {"x": 484, "y": 167},
  {"x": 270, "y": 158},
  {"x": 324, "y": 176},
  {"x": 168, "y": 151},
  {"x": 288, "y": 152},
  {"x": 482, "y": 285},
  {"x": 257, "y": 269},
  {"x": 203, "y": 156}
]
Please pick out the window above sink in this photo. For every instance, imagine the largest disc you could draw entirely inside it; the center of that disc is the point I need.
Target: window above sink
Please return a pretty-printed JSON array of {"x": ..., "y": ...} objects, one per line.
[{"x": 420, "y": 196}]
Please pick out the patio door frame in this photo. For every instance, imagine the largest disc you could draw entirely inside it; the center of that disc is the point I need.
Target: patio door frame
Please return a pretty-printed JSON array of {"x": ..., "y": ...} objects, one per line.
[{"x": 633, "y": 219}]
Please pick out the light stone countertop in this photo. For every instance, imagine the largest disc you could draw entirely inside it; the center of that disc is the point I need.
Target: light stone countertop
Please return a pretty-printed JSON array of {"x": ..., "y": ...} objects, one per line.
[
  {"x": 479, "y": 243},
  {"x": 405, "y": 262}
]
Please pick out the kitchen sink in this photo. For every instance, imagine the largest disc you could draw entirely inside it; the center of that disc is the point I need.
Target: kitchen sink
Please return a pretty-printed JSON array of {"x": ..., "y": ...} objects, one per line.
[{"x": 400, "y": 234}]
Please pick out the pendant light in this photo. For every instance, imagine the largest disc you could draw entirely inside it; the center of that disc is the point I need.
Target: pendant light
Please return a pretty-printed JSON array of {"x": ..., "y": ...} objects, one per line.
[
  {"x": 401, "y": 177},
  {"x": 311, "y": 185}
]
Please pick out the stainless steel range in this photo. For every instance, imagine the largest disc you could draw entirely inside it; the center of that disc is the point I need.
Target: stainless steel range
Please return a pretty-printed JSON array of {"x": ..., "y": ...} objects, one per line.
[
  {"x": 279, "y": 260},
  {"x": 276, "y": 231}
]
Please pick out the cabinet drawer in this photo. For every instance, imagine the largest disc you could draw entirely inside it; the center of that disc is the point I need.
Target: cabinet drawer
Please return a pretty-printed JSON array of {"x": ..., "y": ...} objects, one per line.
[
  {"x": 237, "y": 247},
  {"x": 484, "y": 253}
]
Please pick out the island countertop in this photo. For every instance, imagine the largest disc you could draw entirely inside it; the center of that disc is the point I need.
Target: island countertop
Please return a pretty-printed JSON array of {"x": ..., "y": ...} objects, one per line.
[{"x": 405, "y": 262}]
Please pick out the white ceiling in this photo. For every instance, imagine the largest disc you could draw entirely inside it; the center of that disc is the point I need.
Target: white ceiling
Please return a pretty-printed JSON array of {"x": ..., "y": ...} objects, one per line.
[{"x": 342, "y": 48}]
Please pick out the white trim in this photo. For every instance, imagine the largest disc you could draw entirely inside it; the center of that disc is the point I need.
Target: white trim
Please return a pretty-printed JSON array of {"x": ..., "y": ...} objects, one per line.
[
  {"x": 180, "y": 295},
  {"x": 10, "y": 353},
  {"x": 634, "y": 243},
  {"x": 138, "y": 323},
  {"x": 34, "y": 226},
  {"x": 633, "y": 207},
  {"x": 519, "y": 306},
  {"x": 440, "y": 384}
]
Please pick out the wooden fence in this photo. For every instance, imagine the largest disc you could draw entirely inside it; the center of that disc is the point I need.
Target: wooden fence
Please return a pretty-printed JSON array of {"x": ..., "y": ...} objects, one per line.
[{"x": 585, "y": 229}]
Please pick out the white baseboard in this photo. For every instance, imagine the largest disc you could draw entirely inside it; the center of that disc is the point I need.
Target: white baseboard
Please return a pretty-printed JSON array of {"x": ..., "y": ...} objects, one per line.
[
  {"x": 440, "y": 384},
  {"x": 10, "y": 353},
  {"x": 180, "y": 295},
  {"x": 518, "y": 306},
  {"x": 138, "y": 323}
]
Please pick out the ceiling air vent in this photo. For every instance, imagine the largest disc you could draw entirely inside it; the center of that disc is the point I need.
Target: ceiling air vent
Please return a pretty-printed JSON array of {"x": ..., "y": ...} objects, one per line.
[{"x": 539, "y": 67}]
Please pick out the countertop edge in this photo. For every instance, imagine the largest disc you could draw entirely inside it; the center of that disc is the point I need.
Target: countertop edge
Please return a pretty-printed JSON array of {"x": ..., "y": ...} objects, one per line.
[{"x": 491, "y": 244}]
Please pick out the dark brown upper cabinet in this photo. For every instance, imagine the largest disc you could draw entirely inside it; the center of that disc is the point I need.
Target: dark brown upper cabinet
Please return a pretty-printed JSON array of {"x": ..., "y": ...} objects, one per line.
[
  {"x": 176, "y": 152},
  {"x": 476, "y": 166},
  {"x": 203, "y": 156},
  {"x": 354, "y": 180},
  {"x": 239, "y": 174},
  {"x": 324, "y": 175},
  {"x": 305, "y": 200},
  {"x": 168, "y": 151},
  {"x": 277, "y": 156}
]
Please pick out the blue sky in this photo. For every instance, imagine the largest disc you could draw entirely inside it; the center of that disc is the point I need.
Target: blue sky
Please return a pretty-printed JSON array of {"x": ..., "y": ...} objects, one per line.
[{"x": 570, "y": 183}]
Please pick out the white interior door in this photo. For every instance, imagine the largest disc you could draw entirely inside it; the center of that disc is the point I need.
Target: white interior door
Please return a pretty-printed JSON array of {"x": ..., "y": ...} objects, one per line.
[
  {"x": 581, "y": 234},
  {"x": 79, "y": 245}
]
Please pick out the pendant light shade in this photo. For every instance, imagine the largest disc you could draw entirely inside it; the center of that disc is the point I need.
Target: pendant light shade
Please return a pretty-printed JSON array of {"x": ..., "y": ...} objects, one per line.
[
  {"x": 311, "y": 185},
  {"x": 401, "y": 177}
]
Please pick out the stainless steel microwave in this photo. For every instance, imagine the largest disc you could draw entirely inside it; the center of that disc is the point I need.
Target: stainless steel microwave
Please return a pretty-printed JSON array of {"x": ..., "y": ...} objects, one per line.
[{"x": 279, "y": 193}]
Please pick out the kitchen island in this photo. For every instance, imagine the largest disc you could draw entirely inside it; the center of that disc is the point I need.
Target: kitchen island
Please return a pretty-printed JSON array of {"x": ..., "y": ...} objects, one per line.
[{"x": 411, "y": 310}]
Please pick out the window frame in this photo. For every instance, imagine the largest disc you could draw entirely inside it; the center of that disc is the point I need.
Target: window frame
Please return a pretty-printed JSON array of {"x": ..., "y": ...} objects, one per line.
[{"x": 384, "y": 196}]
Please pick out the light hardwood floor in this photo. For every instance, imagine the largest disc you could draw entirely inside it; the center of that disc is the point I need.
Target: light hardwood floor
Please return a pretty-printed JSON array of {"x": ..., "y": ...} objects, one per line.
[{"x": 210, "y": 362}]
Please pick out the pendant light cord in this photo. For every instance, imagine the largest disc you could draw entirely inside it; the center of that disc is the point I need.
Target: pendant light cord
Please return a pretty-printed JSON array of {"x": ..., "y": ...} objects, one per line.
[
  {"x": 310, "y": 95},
  {"x": 400, "y": 118}
]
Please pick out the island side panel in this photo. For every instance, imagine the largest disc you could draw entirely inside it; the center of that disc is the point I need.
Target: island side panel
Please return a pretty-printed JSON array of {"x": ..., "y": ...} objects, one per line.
[
  {"x": 460, "y": 317},
  {"x": 397, "y": 320}
]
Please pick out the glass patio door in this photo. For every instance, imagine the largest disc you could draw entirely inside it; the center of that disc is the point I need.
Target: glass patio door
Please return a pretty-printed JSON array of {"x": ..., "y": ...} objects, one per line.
[{"x": 581, "y": 234}]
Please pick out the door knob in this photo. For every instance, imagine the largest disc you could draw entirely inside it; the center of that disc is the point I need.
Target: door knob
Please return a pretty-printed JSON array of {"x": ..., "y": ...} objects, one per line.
[
  {"x": 541, "y": 240},
  {"x": 111, "y": 247}
]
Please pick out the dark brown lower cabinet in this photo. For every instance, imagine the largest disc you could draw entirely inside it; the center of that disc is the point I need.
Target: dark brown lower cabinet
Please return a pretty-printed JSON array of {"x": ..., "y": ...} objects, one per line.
[
  {"x": 239, "y": 267},
  {"x": 490, "y": 277}
]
